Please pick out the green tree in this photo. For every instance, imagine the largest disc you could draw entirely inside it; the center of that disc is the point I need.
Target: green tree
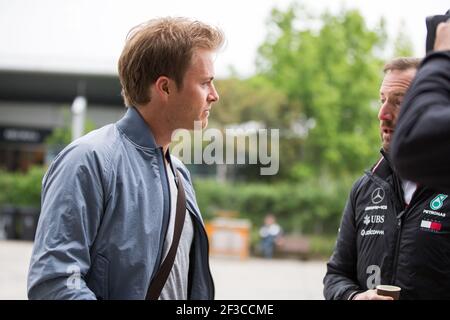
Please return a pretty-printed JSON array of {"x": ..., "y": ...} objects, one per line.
[
  {"x": 329, "y": 73},
  {"x": 403, "y": 46},
  {"x": 252, "y": 99},
  {"x": 62, "y": 136},
  {"x": 258, "y": 99}
]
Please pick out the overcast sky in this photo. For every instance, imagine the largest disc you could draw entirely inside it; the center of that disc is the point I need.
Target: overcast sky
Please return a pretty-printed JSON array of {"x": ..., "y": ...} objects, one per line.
[{"x": 88, "y": 35}]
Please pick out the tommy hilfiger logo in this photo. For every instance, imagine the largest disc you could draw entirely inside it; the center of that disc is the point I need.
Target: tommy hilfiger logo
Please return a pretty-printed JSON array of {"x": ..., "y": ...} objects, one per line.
[{"x": 431, "y": 225}]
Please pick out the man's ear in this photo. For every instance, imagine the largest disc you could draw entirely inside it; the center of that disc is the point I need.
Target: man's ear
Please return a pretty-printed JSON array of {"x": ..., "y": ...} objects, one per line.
[{"x": 162, "y": 86}]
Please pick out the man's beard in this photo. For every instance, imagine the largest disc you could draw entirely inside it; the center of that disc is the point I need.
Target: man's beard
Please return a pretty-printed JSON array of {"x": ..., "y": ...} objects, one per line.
[{"x": 386, "y": 142}]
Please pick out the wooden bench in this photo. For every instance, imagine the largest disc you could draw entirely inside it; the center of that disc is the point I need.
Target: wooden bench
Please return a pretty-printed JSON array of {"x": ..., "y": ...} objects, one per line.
[{"x": 293, "y": 246}]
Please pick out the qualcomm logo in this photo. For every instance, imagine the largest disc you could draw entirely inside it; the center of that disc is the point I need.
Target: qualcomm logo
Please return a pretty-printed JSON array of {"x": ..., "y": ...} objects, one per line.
[
  {"x": 377, "y": 195},
  {"x": 438, "y": 202},
  {"x": 372, "y": 232}
]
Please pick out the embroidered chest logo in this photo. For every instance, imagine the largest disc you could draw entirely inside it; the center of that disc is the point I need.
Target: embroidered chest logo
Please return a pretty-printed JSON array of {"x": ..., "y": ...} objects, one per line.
[
  {"x": 431, "y": 225},
  {"x": 366, "y": 220},
  {"x": 438, "y": 201},
  {"x": 377, "y": 195},
  {"x": 375, "y": 219}
]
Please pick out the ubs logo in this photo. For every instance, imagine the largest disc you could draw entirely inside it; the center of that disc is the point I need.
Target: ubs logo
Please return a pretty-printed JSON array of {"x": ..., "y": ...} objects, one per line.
[
  {"x": 377, "y": 195},
  {"x": 373, "y": 219}
]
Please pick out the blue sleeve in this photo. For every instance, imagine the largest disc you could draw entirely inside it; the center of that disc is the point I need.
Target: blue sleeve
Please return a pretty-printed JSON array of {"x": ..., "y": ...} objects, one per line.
[{"x": 71, "y": 211}]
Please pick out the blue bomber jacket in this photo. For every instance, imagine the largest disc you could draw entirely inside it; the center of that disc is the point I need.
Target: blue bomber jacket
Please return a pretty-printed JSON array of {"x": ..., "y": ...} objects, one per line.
[{"x": 104, "y": 215}]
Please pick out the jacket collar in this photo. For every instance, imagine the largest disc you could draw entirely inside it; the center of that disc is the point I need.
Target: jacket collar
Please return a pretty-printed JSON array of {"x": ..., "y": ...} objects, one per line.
[
  {"x": 383, "y": 166},
  {"x": 386, "y": 172},
  {"x": 136, "y": 129}
]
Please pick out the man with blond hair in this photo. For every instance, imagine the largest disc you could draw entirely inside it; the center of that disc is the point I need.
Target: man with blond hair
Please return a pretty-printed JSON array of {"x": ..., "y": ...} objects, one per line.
[{"x": 119, "y": 217}]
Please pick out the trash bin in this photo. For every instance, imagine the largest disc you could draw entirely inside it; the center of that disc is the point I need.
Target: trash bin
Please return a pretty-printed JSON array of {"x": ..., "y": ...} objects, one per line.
[
  {"x": 27, "y": 220},
  {"x": 8, "y": 222},
  {"x": 229, "y": 237}
]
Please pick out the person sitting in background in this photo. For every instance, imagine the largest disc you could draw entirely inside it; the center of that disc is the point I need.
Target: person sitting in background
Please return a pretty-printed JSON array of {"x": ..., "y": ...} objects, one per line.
[{"x": 270, "y": 234}]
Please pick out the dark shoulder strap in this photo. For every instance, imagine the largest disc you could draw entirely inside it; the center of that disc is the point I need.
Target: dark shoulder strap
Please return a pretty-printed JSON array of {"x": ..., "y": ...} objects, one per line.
[{"x": 161, "y": 276}]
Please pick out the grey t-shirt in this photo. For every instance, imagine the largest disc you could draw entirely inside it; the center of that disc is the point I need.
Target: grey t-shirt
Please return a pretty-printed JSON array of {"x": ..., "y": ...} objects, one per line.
[{"x": 176, "y": 286}]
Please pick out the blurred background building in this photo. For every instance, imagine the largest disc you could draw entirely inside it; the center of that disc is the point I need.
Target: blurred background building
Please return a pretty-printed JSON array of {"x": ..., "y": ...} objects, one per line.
[{"x": 34, "y": 103}]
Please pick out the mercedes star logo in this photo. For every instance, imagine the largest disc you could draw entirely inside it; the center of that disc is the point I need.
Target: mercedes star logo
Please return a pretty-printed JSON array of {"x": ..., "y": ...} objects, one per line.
[{"x": 377, "y": 195}]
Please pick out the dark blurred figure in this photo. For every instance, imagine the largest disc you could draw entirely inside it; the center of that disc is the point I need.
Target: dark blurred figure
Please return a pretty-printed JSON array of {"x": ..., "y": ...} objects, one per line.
[{"x": 421, "y": 144}]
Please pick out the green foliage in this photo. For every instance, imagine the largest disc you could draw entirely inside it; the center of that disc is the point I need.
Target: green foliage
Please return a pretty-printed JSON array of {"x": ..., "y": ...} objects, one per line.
[
  {"x": 257, "y": 99},
  {"x": 330, "y": 74},
  {"x": 320, "y": 74},
  {"x": 322, "y": 246},
  {"x": 253, "y": 99},
  {"x": 21, "y": 189},
  {"x": 62, "y": 136},
  {"x": 403, "y": 46},
  {"x": 313, "y": 206}
]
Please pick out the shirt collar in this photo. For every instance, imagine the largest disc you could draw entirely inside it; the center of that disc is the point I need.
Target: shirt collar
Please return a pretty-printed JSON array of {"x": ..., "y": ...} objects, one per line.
[{"x": 136, "y": 129}]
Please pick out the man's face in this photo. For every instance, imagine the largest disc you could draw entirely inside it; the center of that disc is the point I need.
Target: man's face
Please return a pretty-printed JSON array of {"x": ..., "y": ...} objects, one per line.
[
  {"x": 394, "y": 86},
  {"x": 193, "y": 101}
]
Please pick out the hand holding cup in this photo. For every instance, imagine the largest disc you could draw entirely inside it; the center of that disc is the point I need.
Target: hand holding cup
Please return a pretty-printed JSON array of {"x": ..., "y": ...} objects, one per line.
[{"x": 390, "y": 291}]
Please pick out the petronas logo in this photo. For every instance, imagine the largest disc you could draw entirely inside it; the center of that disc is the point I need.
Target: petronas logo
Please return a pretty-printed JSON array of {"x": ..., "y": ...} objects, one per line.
[{"x": 438, "y": 202}]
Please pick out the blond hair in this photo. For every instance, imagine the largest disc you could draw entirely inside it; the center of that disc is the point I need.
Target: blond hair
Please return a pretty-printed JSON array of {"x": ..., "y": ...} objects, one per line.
[{"x": 161, "y": 47}]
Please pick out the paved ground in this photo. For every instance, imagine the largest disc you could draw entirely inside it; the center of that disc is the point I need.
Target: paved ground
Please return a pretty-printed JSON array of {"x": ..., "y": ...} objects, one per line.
[
  {"x": 253, "y": 278},
  {"x": 14, "y": 260}
]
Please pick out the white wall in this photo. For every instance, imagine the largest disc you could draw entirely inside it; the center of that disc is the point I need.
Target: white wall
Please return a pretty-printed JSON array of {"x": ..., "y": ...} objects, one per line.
[{"x": 52, "y": 115}]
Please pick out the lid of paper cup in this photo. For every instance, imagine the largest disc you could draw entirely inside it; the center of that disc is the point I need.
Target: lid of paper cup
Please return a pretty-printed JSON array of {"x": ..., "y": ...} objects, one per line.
[{"x": 388, "y": 287}]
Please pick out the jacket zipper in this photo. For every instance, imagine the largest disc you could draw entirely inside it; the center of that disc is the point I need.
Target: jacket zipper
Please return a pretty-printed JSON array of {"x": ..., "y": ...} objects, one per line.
[
  {"x": 213, "y": 289},
  {"x": 398, "y": 227},
  {"x": 166, "y": 177},
  {"x": 399, "y": 230},
  {"x": 207, "y": 252},
  {"x": 397, "y": 245}
]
